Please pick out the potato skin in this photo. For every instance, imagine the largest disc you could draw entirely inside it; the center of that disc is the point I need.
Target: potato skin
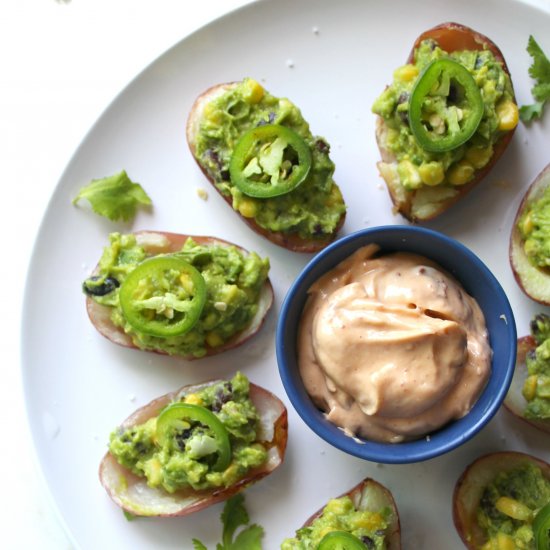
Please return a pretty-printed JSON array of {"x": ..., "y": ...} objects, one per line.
[
  {"x": 451, "y": 37},
  {"x": 272, "y": 413},
  {"x": 469, "y": 489},
  {"x": 515, "y": 402},
  {"x": 290, "y": 241},
  {"x": 534, "y": 282},
  {"x": 383, "y": 495},
  {"x": 99, "y": 315}
]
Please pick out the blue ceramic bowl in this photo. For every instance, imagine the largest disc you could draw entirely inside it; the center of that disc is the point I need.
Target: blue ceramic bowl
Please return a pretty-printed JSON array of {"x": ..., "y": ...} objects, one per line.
[{"x": 476, "y": 279}]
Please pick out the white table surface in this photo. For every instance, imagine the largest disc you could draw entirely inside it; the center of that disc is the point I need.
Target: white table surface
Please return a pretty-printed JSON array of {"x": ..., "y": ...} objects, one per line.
[{"x": 62, "y": 62}]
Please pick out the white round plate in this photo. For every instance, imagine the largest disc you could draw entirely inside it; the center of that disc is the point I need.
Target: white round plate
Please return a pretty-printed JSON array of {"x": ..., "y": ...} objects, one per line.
[{"x": 332, "y": 59}]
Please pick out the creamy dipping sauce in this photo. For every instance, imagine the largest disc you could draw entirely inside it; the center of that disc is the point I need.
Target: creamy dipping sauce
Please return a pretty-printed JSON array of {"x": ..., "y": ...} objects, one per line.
[{"x": 391, "y": 347}]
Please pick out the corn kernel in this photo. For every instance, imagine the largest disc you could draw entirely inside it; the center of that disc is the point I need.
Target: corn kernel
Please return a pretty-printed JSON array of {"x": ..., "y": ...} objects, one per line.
[
  {"x": 408, "y": 175},
  {"x": 479, "y": 156},
  {"x": 253, "y": 92},
  {"x": 193, "y": 399},
  {"x": 248, "y": 208},
  {"x": 431, "y": 173},
  {"x": 212, "y": 113},
  {"x": 508, "y": 115},
  {"x": 213, "y": 339},
  {"x": 230, "y": 473},
  {"x": 461, "y": 173},
  {"x": 406, "y": 73},
  {"x": 187, "y": 283},
  {"x": 370, "y": 522},
  {"x": 505, "y": 542},
  {"x": 530, "y": 387},
  {"x": 513, "y": 508},
  {"x": 153, "y": 470}
]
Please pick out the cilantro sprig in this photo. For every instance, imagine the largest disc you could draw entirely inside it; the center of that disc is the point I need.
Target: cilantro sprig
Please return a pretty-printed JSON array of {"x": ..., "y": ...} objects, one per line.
[
  {"x": 116, "y": 197},
  {"x": 540, "y": 72},
  {"x": 234, "y": 515}
]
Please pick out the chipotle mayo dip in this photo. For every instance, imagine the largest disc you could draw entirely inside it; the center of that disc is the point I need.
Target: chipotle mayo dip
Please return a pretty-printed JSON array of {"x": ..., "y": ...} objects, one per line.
[{"x": 391, "y": 347}]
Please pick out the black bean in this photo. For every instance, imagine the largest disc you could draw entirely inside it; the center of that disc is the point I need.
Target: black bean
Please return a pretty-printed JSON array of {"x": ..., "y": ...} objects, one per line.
[
  {"x": 318, "y": 230},
  {"x": 181, "y": 437},
  {"x": 322, "y": 146},
  {"x": 99, "y": 286},
  {"x": 403, "y": 113},
  {"x": 367, "y": 541},
  {"x": 223, "y": 395}
]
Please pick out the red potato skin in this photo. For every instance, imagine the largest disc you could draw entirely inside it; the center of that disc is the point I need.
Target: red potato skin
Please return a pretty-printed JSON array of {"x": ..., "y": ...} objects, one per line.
[
  {"x": 290, "y": 241},
  {"x": 515, "y": 236},
  {"x": 525, "y": 344},
  {"x": 454, "y": 37},
  {"x": 99, "y": 315},
  {"x": 468, "y": 491},
  {"x": 394, "y": 537},
  {"x": 262, "y": 399}
]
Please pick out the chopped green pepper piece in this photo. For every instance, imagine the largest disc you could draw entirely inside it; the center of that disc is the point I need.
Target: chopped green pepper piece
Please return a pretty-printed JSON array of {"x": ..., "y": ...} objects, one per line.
[
  {"x": 437, "y": 125},
  {"x": 269, "y": 161},
  {"x": 163, "y": 296},
  {"x": 177, "y": 414}
]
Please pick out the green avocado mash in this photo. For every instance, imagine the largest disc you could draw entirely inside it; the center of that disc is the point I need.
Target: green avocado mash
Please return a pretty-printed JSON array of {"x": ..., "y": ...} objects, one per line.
[
  {"x": 536, "y": 388},
  {"x": 417, "y": 167},
  {"x": 340, "y": 515},
  {"x": 187, "y": 457},
  {"x": 534, "y": 227},
  {"x": 314, "y": 208},
  {"x": 233, "y": 284},
  {"x": 508, "y": 506}
]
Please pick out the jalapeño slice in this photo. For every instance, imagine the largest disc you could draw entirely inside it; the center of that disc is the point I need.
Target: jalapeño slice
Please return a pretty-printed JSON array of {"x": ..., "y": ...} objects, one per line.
[
  {"x": 163, "y": 296},
  {"x": 441, "y": 126},
  {"x": 180, "y": 415},
  {"x": 340, "y": 540},
  {"x": 541, "y": 528},
  {"x": 269, "y": 161}
]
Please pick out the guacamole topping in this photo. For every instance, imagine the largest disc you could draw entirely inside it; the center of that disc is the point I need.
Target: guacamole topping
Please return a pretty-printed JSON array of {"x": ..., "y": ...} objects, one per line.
[
  {"x": 534, "y": 227},
  {"x": 186, "y": 454},
  {"x": 232, "y": 280},
  {"x": 509, "y": 505},
  {"x": 340, "y": 514},
  {"x": 314, "y": 208},
  {"x": 444, "y": 109},
  {"x": 536, "y": 388}
]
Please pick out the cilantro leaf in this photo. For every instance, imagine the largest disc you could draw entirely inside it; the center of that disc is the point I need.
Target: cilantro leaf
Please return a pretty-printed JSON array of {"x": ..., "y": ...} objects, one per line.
[
  {"x": 540, "y": 72},
  {"x": 129, "y": 516},
  {"x": 249, "y": 538},
  {"x": 234, "y": 515},
  {"x": 115, "y": 197},
  {"x": 528, "y": 112}
]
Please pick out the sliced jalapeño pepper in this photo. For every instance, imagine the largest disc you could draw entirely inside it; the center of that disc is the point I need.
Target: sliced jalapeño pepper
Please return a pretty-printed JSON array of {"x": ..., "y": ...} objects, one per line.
[
  {"x": 340, "y": 540},
  {"x": 445, "y": 106},
  {"x": 541, "y": 528},
  {"x": 181, "y": 415},
  {"x": 269, "y": 161},
  {"x": 163, "y": 296}
]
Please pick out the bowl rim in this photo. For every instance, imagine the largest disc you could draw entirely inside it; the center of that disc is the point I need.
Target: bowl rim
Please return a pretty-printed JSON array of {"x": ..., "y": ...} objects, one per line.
[{"x": 442, "y": 440}]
